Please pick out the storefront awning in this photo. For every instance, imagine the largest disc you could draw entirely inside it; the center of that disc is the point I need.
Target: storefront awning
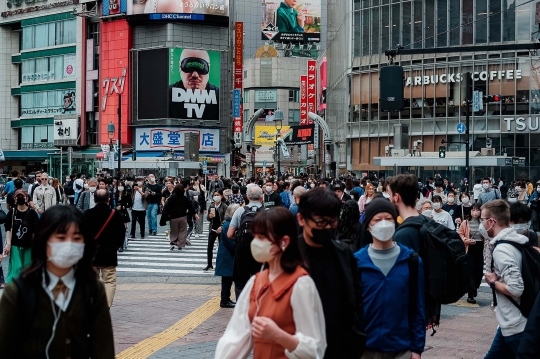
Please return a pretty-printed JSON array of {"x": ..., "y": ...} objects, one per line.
[{"x": 28, "y": 155}]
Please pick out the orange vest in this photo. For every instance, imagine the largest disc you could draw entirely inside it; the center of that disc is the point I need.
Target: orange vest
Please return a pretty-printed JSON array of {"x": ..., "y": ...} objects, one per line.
[{"x": 275, "y": 303}]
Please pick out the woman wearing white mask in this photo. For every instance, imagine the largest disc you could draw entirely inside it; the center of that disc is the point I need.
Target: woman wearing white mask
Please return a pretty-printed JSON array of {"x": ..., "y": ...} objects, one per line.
[
  {"x": 69, "y": 313},
  {"x": 424, "y": 207},
  {"x": 388, "y": 268},
  {"x": 279, "y": 314},
  {"x": 464, "y": 210},
  {"x": 471, "y": 236},
  {"x": 440, "y": 215}
]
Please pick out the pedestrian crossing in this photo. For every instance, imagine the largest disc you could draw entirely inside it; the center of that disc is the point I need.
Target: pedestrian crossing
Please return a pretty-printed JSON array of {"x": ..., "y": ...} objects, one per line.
[{"x": 152, "y": 256}]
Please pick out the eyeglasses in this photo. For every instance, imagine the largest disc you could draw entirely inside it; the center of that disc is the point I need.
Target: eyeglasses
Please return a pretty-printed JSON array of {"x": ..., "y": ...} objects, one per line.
[
  {"x": 484, "y": 219},
  {"x": 44, "y": 179},
  {"x": 321, "y": 223}
]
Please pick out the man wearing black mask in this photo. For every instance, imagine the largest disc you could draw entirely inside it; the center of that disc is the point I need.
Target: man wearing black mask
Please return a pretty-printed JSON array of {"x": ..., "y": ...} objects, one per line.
[{"x": 335, "y": 272}]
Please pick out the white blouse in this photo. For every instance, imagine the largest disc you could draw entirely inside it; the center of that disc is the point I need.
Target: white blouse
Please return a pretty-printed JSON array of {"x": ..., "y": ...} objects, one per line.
[{"x": 237, "y": 341}]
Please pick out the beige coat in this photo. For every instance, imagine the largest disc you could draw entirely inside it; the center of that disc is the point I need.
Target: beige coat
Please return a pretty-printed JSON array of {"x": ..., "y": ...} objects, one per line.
[{"x": 44, "y": 198}]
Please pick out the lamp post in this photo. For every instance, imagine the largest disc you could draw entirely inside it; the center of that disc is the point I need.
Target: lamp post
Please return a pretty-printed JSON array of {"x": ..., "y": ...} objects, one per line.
[
  {"x": 119, "y": 136},
  {"x": 278, "y": 122},
  {"x": 111, "y": 131}
]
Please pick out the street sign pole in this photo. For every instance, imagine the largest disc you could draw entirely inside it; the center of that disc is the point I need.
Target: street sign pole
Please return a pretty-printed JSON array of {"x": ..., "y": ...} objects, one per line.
[{"x": 468, "y": 90}]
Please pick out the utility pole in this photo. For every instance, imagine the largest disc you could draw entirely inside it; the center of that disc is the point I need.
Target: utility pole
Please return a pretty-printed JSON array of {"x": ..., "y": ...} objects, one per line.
[
  {"x": 119, "y": 174},
  {"x": 468, "y": 98}
]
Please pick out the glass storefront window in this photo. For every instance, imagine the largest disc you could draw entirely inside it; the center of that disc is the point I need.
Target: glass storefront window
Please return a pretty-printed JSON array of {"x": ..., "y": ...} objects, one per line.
[{"x": 522, "y": 86}]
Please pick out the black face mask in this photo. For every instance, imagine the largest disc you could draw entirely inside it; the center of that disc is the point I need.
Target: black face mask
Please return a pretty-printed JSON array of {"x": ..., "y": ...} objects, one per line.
[
  {"x": 21, "y": 200},
  {"x": 323, "y": 236}
]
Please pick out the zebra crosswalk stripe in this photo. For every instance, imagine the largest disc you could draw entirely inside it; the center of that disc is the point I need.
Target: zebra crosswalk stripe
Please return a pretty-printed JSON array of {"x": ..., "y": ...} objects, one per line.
[{"x": 152, "y": 256}]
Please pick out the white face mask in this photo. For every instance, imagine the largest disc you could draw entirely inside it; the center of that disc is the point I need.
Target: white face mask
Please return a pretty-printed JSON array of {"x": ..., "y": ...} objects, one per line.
[
  {"x": 517, "y": 188},
  {"x": 152, "y": 179},
  {"x": 483, "y": 231},
  {"x": 537, "y": 189},
  {"x": 195, "y": 198},
  {"x": 139, "y": 184},
  {"x": 427, "y": 213},
  {"x": 451, "y": 199},
  {"x": 85, "y": 186},
  {"x": 436, "y": 206},
  {"x": 383, "y": 230},
  {"x": 268, "y": 189},
  {"x": 66, "y": 254},
  {"x": 465, "y": 200},
  {"x": 217, "y": 198},
  {"x": 261, "y": 250},
  {"x": 312, "y": 185},
  {"x": 521, "y": 228},
  {"x": 120, "y": 188},
  {"x": 485, "y": 186},
  {"x": 385, "y": 195},
  {"x": 92, "y": 189},
  {"x": 512, "y": 199}
]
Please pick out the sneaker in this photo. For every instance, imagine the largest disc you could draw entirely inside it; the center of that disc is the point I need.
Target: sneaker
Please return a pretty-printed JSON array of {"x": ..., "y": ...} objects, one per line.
[
  {"x": 208, "y": 269},
  {"x": 471, "y": 300}
]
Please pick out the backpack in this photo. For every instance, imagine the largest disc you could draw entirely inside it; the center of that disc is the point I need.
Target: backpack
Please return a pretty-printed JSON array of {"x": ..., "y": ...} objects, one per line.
[
  {"x": 446, "y": 263},
  {"x": 244, "y": 264},
  {"x": 530, "y": 272},
  {"x": 27, "y": 301},
  {"x": 69, "y": 189}
]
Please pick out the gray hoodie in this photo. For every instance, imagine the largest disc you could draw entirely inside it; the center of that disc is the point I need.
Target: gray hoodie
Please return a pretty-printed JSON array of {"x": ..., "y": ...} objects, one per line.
[{"x": 507, "y": 266}]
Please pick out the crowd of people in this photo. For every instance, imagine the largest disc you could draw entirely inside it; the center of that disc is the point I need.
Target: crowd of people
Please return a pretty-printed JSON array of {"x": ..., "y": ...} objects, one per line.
[{"x": 316, "y": 264}]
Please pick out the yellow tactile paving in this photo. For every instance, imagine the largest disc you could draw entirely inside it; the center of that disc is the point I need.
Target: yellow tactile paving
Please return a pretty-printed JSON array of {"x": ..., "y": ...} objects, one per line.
[{"x": 185, "y": 325}]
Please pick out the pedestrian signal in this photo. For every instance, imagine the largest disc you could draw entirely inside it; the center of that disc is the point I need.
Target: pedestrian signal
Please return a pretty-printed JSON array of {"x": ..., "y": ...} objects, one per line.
[{"x": 442, "y": 152}]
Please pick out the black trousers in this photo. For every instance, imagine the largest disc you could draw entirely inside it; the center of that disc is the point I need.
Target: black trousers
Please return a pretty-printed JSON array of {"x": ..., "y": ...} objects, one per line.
[
  {"x": 140, "y": 217},
  {"x": 212, "y": 236},
  {"x": 226, "y": 285},
  {"x": 190, "y": 224}
]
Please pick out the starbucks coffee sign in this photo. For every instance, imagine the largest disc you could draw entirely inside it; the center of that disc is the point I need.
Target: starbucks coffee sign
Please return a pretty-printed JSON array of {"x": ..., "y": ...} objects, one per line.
[{"x": 460, "y": 76}]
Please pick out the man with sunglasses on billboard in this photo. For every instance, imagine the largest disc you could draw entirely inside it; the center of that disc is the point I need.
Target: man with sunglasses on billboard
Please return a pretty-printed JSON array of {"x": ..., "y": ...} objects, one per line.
[{"x": 193, "y": 97}]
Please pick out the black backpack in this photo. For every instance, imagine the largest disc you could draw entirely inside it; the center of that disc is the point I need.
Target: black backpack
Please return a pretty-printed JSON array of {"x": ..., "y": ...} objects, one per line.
[
  {"x": 244, "y": 264},
  {"x": 446, "y": 263},
  {"x": 69, "y": 189},
  {"x": 530, "y": 272}
]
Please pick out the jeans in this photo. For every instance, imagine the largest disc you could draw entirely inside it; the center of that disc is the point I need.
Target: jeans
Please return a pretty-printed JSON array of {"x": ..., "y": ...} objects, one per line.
[
  {"x": 152, "y": 217},
  {"x": 504, "y": 347}
]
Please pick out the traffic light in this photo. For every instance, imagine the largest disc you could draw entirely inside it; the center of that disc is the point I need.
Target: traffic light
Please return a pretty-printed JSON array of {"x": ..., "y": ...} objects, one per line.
[
  {"x": 492, "y": 98},
  {"x": 442, "y": 152}
]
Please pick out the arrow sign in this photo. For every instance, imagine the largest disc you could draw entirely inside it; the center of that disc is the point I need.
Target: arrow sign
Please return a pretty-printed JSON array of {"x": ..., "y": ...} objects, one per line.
[{"x": 461, "y": 128}]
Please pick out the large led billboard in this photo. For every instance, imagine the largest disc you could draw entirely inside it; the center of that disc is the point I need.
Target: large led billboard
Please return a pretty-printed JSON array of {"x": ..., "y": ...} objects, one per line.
[
  {"x": 178, "y": 83},
  {"x": 291, "y": 20},
  {"x": 170, "y": 10}
]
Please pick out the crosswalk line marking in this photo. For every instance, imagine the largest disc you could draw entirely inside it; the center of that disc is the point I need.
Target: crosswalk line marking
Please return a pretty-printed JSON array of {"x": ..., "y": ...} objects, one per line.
[
  {"x": 138, "y": 246},
  {"x": 157, "y": 250},
  {"x": 159, "y": 264},
  {"x": 175, "y": 254},
  {"x": 147, "y": 347},
  {"x": 164, "y": 271},
  {"x": 176, "y": 260}
]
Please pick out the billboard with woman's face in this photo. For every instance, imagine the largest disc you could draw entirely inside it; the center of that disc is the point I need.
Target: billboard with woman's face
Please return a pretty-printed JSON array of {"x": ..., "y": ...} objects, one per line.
[{"x": 291, "y": 20}]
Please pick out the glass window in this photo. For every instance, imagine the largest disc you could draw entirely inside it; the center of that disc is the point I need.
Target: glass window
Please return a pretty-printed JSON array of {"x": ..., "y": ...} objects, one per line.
[
  {"x": 375, "y": 22},
  {"x": 42, "y": 35},
  {"x": 70, "y": 32},
  {"x": 454, "y": 23},
  {"x": 417, "y": 8},
  {"x": 523, "y": 21},
  {"x": 28, "y": 38},
  {"x": 385, "y": 28},
  {"x": 52, "y": 34},
  {"x": 467, "y": 23},
  {"x": 481, "y": 22},
  {"x": 442, "y": 15},
  {"x": 395, "y": 27},
  {"x": 27, "y": 134},
  {"x": 509, "y": 20},
  {"x": 407, "y": 25},
  {"x": 246, "y": 96},
  {"x": 365, "y": 32},
  {"x": 43, "y": 103},
  {"x": 494, "y": 20},
  {"x": 357, "y": 34},
  {"x": 430, "y": 24}
]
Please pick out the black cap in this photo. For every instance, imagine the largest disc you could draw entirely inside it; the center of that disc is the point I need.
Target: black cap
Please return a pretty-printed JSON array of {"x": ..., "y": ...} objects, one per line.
[
  {"x": 379, "y": 205},
  {"x": 337, "y": 187}
]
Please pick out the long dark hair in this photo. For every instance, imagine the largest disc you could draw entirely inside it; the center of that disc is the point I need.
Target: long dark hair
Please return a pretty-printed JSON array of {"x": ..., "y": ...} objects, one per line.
[
  {"x": 58, "y": 219},
  {"x": 275, "y": 224},
  {"x": 349, "y": 224}
]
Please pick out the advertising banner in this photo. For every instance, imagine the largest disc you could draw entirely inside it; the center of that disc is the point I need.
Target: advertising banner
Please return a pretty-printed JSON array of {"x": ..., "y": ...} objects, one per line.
[
  {"x": 194, "y": 80},
  {"x": 291, "y": 20},
  {"x": 166, "y": 138},
  {"x": 114, "y": 7},
  {"x": 291, "y": 135},
  {"x": 69, "y": 66},
  {"x": 322, "y": 84},
  {"x": 179, "y": 9},
  {"x": 238, "y": 79},
  {"x": 303, "y": 101},
  {"x": 312, "y": 88}
]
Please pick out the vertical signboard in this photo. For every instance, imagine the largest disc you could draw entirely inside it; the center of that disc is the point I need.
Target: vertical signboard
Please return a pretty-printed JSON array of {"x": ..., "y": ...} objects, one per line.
[
  {"x": 238, "y": 75},
  {"x": 115, "y": 45},
  {"x": 303, "y": 101},
  {"x": 312, "y": 87},
  {"x": 322, "y": 85}
]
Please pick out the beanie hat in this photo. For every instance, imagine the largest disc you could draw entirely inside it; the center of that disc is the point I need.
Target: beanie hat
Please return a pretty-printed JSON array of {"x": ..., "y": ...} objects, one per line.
[{"x": 376, "y": 206}]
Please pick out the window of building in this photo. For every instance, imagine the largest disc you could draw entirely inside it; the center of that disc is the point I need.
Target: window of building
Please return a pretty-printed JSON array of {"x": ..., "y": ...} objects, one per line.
[
  {"x": 37, "y": 136},
  {"x": 294, "y": 117},
  {"x": 48, "y": 103},
  {"x": 481, "y": 22},
  {"x": 246, "y": 96},
  {"x": 45, "y": 68},
  {"x": 442, "y": 16},
  {"x": 406, "y": 24},
  {"x": 51, "y": 34},
  {"x": 294, "y": 95},
  {"x": 494, "y": 20}
]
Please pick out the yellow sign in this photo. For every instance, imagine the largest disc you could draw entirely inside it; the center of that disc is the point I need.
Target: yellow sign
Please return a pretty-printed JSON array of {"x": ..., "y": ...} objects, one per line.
[{"x": 266, "y": 135}]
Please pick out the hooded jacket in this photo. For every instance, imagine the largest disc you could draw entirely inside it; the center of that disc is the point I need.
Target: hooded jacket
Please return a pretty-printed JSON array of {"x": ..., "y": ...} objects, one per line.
[
  {"x": 507, "y": 266},
  {"x": 387, "y": 323}
]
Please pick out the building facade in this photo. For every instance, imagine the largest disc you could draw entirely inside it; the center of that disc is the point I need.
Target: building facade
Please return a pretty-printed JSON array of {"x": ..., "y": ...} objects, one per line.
[{"x": 434, "y": 83}]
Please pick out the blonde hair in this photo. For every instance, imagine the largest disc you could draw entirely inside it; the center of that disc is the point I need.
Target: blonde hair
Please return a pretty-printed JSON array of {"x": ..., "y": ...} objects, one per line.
[{"x": 498, "y": 209}]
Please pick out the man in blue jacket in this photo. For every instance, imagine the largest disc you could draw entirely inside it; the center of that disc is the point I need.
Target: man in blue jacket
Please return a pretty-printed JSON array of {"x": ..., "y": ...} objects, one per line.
[{"x": 394, "y": 328}]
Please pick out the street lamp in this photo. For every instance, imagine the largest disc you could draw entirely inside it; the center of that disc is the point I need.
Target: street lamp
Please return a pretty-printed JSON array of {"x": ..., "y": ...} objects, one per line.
[{"x": 278, "y": 122}]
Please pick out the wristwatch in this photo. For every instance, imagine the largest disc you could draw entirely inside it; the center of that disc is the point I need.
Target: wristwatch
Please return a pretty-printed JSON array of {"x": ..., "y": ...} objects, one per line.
[{"x": 492, "y": 284}]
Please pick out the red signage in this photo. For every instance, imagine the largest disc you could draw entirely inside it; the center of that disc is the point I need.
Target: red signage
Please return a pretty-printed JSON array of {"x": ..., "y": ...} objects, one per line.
[
  {"x": 113, "y": 79},
  {"x": 238, "y": 72},
  {"x": 312, "y": 87},
  {"x": 303, "y": 101},
  {"x": 322, "y": 84}
]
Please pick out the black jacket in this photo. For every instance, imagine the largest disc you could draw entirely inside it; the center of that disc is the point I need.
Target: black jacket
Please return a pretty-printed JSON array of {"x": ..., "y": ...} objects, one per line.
[
  {"x": 177, "y": 206},
  {"x": 111, "y": 238},
  {"x": 272, "y": 200},
  {"x": 529, "y": 346},
  {"x": 353, "y": 331}
]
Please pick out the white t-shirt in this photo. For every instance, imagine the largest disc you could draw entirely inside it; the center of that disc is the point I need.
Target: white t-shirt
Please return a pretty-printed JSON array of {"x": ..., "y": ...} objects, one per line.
[
  {"x": 137, "y": 202},
  {"x": 79, "y": 182},
  {"x": 444, "y": 218}
]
